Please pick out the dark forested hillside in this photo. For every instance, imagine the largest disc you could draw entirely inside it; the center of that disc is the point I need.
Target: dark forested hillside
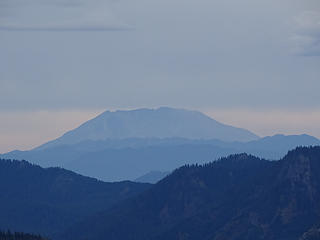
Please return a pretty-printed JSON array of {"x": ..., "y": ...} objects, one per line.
[
  {"x": 46, "y": 201},
  {"x": 235, "y": 198},
  {"x": 19, "y": 236},
  {"x": 312, "y": 234}
]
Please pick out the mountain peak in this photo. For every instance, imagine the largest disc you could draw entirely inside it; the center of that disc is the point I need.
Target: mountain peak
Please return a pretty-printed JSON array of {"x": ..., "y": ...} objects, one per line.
[
  {"x": 163, "y": 122},
  {"x": 303, "y": 154},
  {"x": 300, "y": 167}
]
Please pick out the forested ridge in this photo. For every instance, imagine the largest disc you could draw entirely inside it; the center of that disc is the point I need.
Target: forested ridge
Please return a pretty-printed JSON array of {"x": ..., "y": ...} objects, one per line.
[
  {"x": 235, "y": 198},
  {"x": 48, "y": 200},
  {"x": 7, "y": 235}
]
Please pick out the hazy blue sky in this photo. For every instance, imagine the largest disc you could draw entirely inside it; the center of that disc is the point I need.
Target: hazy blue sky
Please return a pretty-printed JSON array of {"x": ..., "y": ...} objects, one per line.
[{"x": 236, "y": 60}]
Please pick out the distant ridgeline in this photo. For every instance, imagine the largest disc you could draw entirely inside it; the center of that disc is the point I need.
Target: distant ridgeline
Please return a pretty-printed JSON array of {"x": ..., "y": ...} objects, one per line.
[
  {"x": 91, "y": 148},
  {"x": 19, "y": 236},
  {"x": 145, "y": 144},
  {"x": 129, "y": 159}
]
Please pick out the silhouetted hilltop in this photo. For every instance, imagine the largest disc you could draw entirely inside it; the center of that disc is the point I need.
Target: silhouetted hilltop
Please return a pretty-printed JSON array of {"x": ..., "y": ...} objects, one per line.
[
  {"x": 235, "y": 198},
  {"x": 46, "y": 201}
]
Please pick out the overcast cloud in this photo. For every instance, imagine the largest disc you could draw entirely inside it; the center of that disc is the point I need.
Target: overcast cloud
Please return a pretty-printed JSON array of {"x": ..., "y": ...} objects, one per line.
[
  {"x": 239, "y": 60},
  {"x": 58, "y": 15},
  {"x": 307, "y": 37},
  {"x": 184, "y": 53}
]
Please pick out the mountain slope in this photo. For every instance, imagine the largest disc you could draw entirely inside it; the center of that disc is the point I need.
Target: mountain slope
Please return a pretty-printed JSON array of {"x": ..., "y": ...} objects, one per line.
[
  {"x": 37, "y": 200},
  {"x": 236, "y": 198},
  {"x": 105, "y": 159},
  {"x": 152, "y": 177},
  {"x": 152, "y": 123}
]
